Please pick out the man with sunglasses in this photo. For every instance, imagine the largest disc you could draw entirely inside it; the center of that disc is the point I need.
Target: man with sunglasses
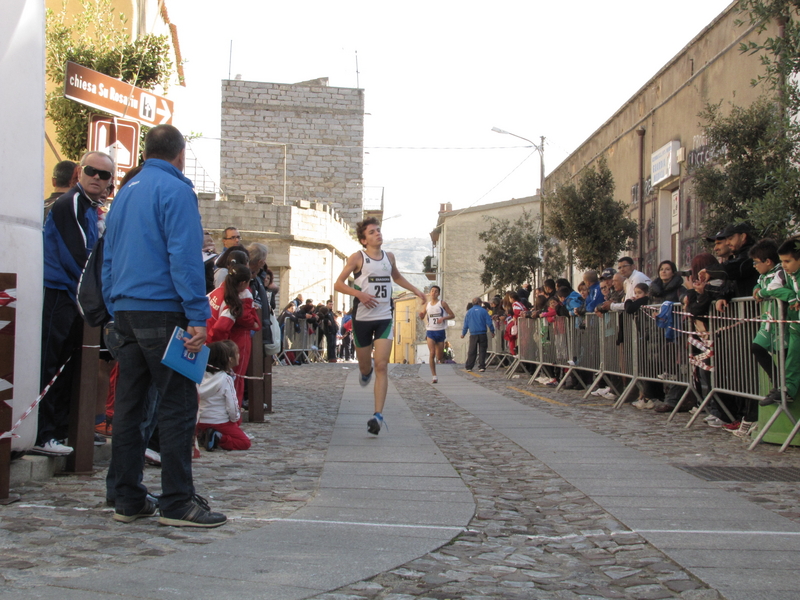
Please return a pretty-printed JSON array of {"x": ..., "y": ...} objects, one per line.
[{"x": 73, "y": 225}]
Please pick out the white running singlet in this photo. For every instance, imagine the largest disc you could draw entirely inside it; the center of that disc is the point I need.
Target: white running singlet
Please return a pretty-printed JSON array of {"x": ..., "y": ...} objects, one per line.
[
  {"x": 435, "y": 314},
  {"x": 375, "y": 277}
]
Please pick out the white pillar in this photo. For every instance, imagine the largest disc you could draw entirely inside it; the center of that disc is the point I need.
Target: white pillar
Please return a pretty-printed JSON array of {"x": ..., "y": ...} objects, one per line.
[{"x": 21, "y": 194}]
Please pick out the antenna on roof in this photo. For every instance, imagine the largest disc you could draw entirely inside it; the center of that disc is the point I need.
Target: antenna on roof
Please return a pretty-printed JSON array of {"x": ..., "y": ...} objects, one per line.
[{"x": 357, "y": 85}]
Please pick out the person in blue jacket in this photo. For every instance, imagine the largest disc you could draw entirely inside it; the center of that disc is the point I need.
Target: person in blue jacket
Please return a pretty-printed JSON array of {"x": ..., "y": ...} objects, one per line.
[
  {"x": 477, "y": 321},
  {"x": 153, "y": 282},
  {"x": 73, "y": 226}
]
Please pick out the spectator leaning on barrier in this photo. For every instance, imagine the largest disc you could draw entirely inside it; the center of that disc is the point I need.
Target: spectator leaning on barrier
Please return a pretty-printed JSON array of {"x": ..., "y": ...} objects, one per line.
[
  {"x": 595, "y": 294},
  {"x": 789, "y": 253},
  {"x": 721, "y": 248},
  {"x": 737, "y": 270},
  {"x": 631, "y": 275},
  {"x": 668, "y": 286},
  {"x": 477, "y": 321}
]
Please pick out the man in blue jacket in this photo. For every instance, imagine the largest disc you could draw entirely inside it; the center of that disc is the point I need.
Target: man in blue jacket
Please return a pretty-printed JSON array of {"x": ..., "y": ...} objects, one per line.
[
  {"x": 153, "y": 281},
  {"x": 72, "y": 227},
  {"x": 477, "y": 321}
]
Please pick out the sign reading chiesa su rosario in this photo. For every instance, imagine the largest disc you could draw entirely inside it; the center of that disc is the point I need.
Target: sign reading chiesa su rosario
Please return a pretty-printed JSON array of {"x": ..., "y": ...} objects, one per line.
[{"x": 116, "y": 97}]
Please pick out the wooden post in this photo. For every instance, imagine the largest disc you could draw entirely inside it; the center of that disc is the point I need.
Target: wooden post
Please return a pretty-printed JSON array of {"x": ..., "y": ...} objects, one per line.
[
  {"x": 83, "y": 403},
  {"x": 255, "y": 387}
]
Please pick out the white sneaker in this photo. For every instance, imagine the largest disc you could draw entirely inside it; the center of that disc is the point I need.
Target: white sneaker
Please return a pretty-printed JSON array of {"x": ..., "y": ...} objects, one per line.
[
  {"x": 52, "y": 448},
  {"x": 152, "y": 457},
  {"x": 708, "y": 418},
  {"x": 434, "y": 379},
  {"x": 745, "y": 429},
  {"x": 644, "y": 404},
  {"x": 601, "y": 391},
  {"x": 608, "y": 396},
  {"x": 715, "y": 422},
  {"x": 693, "y": 410}
]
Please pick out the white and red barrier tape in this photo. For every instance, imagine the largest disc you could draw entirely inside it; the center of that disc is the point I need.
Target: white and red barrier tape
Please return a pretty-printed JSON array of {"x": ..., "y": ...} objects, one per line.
[{"x": 10, "y": 433}]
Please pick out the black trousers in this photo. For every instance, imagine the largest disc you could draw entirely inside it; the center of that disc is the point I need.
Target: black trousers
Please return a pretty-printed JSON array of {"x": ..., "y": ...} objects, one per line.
[
  {"x": 478, "y": 344},
  {"x": 62, "y": 337}
]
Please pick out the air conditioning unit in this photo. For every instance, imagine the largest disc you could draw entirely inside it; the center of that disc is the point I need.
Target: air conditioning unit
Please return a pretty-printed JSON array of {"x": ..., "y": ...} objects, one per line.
[{"x": 435, "y": 262}]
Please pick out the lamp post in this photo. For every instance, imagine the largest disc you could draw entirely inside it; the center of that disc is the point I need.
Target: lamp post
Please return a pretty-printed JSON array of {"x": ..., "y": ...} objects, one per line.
[{"x": 540, "y": 149}]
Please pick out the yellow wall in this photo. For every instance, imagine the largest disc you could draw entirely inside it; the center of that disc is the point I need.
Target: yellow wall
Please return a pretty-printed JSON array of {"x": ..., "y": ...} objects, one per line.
[{"x": 405, "y": 328}]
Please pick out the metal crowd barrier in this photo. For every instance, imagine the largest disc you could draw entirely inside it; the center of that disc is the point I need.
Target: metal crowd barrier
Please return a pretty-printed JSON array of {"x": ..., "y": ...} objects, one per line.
[
  {"x": 498, "y": 355},
  {"x": 636, "y": 349},
  {"x": 298, "y": 342}
]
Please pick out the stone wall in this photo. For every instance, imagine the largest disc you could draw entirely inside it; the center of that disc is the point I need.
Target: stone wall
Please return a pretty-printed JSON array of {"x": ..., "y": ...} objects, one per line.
[
  {"x": 308, "y": 242},
  {"x": 302, "y": 141}
]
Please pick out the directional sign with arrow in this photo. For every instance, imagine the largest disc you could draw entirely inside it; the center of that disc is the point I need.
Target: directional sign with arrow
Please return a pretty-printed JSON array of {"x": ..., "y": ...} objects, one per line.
[{"x": 116, "y": 97}]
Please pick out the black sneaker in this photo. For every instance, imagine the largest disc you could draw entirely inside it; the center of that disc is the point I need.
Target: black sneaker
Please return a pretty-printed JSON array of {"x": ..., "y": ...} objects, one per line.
[
  {"x": 774, "y": 397},
  {"x": 148, "y": 510},
  {"x": 196, "y": 515}
]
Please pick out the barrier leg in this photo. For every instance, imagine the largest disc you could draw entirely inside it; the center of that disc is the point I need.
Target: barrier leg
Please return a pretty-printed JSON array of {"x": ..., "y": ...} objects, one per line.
[
  {"x": 593, "y": 385},
  {"x": 535, "y": 373},
  {"x": 621, "y": 400},
  {"x": 768, "y": 424},
  {"x": 678, "y": 405}
]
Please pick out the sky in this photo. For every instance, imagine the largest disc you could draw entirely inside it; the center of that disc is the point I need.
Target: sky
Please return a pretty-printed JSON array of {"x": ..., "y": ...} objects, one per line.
[{"x": 437, "y": 77}]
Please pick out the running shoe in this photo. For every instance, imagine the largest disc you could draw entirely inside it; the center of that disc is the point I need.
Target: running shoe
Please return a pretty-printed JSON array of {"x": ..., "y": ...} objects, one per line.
[
  {"x": 601, "y": 391},
  {"x": 435, "y": 379},
  {"x": 774, "y": 397},
  {"x": 732, "y": 426},
  {"x": 375, "y": 424},
  {"x": 715, "y": 422},
  {"x": 365, "y": 379}
]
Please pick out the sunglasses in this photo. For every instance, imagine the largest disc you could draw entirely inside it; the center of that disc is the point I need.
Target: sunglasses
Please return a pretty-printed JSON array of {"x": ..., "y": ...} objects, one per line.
[{"x": 91, "y": 172}]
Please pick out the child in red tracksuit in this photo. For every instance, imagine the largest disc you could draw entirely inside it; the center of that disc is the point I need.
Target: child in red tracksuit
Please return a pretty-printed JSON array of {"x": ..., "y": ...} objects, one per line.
[
  {"x": 233, "y": 317},
  {"x": 218, "y": 417}
]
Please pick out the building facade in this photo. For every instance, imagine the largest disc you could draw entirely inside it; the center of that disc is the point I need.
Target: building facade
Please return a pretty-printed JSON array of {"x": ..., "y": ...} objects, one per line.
[
  {"x": 655, "y": 140},
  {"x": 457, "y": 254}
]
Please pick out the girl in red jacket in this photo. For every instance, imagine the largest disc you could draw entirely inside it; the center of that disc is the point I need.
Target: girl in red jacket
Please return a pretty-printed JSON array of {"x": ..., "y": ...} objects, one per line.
[{"x": 233, "y": 317}]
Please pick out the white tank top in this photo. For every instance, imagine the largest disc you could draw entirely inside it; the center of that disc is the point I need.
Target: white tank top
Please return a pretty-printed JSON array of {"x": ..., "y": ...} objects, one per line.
[
  {"x": 375, "y": 277},
  {"x": 435, "y": 313}
]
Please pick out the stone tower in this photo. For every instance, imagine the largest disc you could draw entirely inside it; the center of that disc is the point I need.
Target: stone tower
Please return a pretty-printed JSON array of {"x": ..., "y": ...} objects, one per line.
[{"x": 282, "y": 143}]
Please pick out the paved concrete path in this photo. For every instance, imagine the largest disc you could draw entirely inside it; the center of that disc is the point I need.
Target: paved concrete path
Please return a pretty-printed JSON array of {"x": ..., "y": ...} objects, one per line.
[
  {"x": 736, "y": 547},
  {"x": 532, "y": 504},
  {"x": 382, "y": 501}
]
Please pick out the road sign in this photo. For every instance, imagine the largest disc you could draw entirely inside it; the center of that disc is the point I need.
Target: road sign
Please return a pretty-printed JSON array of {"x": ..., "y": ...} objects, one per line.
[
  {"x": 117, "y": 137},
  {"x": 116, "y": 97}
]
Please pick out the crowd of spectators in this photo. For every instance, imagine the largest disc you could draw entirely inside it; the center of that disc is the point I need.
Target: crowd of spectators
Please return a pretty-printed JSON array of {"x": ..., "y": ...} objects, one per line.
[{"x": 740, "y": 267}]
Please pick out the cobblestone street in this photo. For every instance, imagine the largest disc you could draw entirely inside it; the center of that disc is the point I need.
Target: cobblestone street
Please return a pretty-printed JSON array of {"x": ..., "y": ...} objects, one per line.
[{"x": 533, "y": 534}]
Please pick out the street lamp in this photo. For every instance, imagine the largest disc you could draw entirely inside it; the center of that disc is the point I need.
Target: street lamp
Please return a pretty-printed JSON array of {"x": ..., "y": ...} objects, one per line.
[{"x": 540, "y": 149}]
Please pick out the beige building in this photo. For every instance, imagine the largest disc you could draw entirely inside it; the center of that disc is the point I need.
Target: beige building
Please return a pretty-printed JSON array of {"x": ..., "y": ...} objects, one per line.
[
  {"x": 141, "y": 16},
  {"x": 457, "y": 252},
  {"x": 653, "y": 142}
]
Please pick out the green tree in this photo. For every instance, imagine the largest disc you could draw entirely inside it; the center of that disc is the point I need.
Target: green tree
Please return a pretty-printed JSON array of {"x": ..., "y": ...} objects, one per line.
[
  {"x": 588, "y": 219},
  {"x": 513, "y": 253},
  {"x": 98, "y": 39},
  {"x": 754, "y": 177}
]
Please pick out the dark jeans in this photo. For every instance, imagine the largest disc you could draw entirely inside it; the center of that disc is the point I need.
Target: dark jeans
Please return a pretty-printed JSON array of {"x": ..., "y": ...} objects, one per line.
[
  {"x": 147, "y": 427},
  {"x": 143, "y": 337},
  {"x": 478, "y": 343}
]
